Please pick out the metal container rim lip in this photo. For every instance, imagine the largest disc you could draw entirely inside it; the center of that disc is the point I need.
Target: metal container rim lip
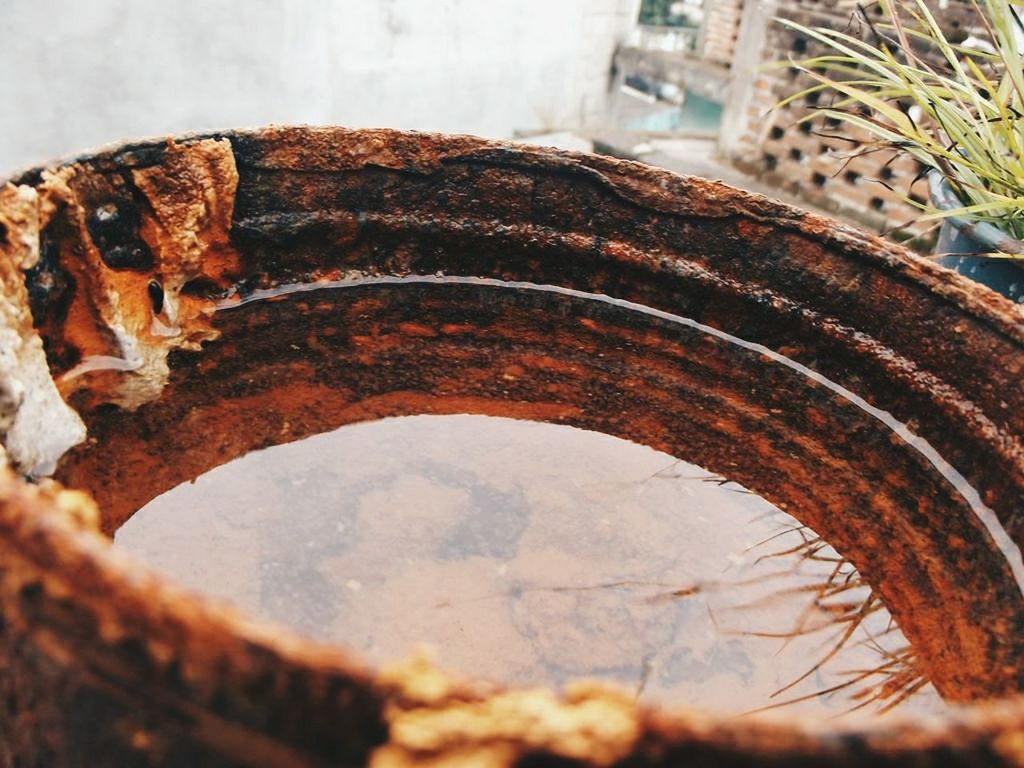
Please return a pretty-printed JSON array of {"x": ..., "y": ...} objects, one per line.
[{"x": 985, "y": 304}]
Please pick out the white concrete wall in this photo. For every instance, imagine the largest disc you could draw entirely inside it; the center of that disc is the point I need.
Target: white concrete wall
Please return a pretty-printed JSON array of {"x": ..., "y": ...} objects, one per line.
[{"x": 80, "y": 73}]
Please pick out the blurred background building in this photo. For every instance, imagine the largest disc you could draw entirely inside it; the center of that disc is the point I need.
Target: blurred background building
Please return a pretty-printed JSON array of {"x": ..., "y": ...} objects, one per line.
[
  {"x": 676, "y": 83},
  {"x": 711, "y": 105}
]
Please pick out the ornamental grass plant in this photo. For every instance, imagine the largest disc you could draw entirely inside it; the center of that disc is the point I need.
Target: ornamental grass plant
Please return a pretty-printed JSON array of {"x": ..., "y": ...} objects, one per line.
[{"x": 957, "y": 108}]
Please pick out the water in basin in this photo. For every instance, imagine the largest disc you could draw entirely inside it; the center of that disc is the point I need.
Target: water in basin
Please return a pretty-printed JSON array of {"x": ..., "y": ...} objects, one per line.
[{"x": 541, "y": 548}]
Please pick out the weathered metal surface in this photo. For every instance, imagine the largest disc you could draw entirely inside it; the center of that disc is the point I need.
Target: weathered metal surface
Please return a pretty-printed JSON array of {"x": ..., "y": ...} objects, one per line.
[
  {"x": 105, "y": 661},
  {"x": 35, "y": 424}
]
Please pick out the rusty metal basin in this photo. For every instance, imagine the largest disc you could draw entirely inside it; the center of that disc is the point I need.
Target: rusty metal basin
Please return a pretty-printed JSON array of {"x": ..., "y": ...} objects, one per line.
[{"x": 121, "y": 377}]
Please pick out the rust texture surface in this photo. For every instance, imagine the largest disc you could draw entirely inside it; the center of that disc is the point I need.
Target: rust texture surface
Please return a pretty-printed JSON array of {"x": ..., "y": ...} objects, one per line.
[{"x": 143, "y": 257}]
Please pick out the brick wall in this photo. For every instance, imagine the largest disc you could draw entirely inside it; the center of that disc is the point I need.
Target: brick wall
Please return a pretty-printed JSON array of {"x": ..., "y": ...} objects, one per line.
[
  {"x": 720, "y": 29},
  {"x": 813, "y": 160}
]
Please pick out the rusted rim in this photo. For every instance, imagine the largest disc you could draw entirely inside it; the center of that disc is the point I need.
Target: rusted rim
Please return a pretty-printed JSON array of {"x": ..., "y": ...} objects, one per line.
[{"x": 127, "y": 593}]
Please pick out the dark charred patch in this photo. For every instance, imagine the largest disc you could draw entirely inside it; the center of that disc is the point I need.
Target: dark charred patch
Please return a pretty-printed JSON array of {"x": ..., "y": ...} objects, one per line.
[
  {"x": 155, "y": 291},
  {"x": 114, "y": 228}
]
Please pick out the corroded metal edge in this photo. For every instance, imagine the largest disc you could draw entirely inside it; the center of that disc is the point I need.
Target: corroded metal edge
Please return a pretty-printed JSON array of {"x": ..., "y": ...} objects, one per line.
[{"x": 430, "y": 717}]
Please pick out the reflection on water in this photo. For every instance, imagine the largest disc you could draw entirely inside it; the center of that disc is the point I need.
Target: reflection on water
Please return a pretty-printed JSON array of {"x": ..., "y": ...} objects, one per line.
[{"x": 533, "y": 553}]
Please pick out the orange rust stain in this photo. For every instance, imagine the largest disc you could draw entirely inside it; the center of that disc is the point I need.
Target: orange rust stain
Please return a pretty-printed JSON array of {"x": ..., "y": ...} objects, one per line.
[
  {"x": 513, "y": 372},
  {"x": 407, "y": 403},
  {"x": 378, "y": 342},
  {"x": 753, "y": 231},
  {"x": 816, "y": 417},
  {"x": 546, "y": 363},
  {"x": 804, "y": 249},
  {"x": 956, "y": 542},
  {"x": 367, "y": 305},
  {"x": 417, "y": 329},
  {"x": 314, "y": 343}
]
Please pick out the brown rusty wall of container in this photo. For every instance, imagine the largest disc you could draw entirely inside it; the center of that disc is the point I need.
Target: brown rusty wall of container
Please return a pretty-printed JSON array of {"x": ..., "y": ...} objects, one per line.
[{"x": 107, "y": 664}]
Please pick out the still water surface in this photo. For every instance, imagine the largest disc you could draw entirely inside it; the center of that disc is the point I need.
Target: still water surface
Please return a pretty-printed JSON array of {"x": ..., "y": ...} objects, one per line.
[{"x": 526, "y": 552}]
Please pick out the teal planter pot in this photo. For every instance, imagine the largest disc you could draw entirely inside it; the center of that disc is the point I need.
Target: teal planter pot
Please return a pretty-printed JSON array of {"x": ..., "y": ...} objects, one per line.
[{"x": 962, "y": 240}]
